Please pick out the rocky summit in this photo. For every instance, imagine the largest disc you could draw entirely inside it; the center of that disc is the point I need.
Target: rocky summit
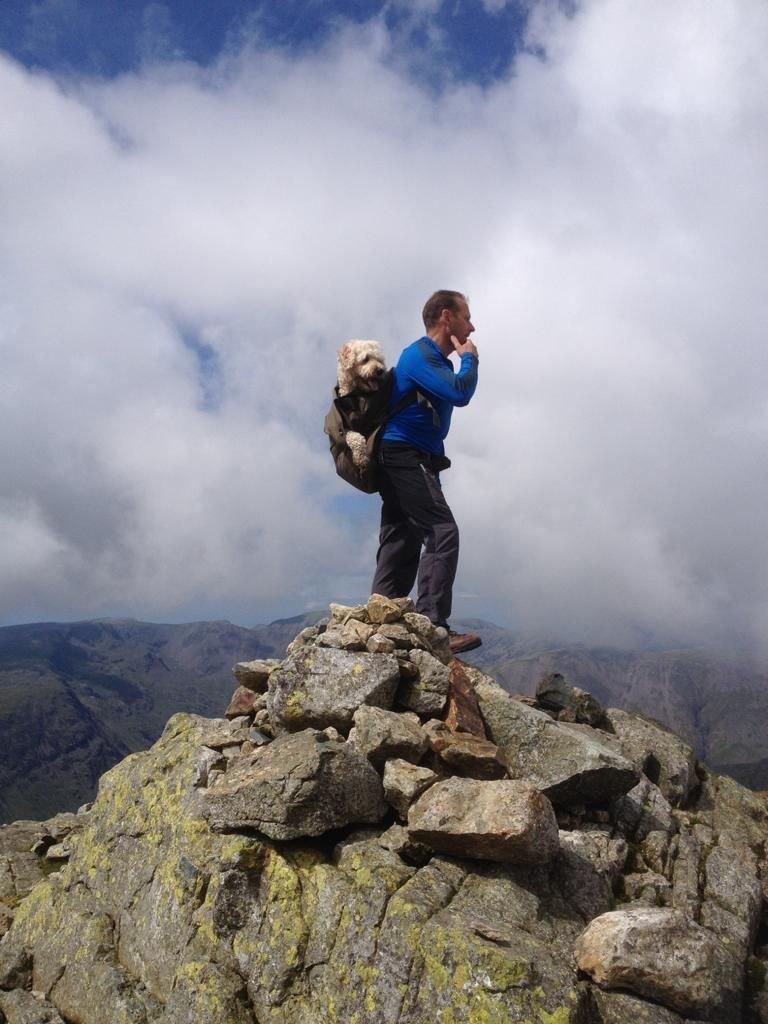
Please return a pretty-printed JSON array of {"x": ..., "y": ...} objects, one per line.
[{"x": 375, "y": 832}]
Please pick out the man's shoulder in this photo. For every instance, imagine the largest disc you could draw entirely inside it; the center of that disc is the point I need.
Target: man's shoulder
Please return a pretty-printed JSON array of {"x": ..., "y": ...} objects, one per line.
[{"x": 421, "y": 348}]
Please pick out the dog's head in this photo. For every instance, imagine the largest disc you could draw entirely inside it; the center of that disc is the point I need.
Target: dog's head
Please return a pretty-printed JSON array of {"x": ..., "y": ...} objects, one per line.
[{"x": 360, "y": 366}]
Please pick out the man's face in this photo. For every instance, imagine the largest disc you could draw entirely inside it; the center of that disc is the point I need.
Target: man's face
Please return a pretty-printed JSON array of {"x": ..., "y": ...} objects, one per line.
[{"x": 460, "y": 324}]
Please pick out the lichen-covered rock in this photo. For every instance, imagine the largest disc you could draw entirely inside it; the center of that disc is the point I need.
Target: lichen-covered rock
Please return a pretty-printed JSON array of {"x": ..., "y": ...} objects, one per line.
[
  {"x": 502, "y": 820},
  {"x": 404, "y": 783},
  {"x": 622, "y": 1008},
  {"x": 664, "y": 757},
  {"x": 661, "y": 954},
  {"x": 316, "y": 687},
  {"x": 568, "y": 763},
  {"x": 428, "y": 693},
  {"x": 381, "y": 735},
  {"x": 300, "y": 785},
  {"x": 254, "y": 675}
]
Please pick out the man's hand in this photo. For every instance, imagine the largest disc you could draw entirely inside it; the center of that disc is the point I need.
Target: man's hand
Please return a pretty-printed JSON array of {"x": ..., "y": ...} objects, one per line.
[{"x": 467, "y": 347}]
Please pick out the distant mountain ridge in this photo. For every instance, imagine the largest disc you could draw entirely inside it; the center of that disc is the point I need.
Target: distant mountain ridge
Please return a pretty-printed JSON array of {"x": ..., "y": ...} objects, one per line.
[{"x": 77, "y": 697}]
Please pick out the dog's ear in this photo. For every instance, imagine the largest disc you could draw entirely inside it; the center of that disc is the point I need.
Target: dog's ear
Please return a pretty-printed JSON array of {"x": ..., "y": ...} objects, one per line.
[{"x": 346, "y": 356}]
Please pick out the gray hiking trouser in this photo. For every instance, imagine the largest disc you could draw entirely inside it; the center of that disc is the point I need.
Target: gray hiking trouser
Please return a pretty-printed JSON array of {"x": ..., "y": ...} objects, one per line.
[{"x": 415, "y": 516}]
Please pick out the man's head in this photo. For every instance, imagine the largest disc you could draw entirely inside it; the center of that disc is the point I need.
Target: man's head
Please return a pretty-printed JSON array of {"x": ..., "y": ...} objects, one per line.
[{"x": 445, "y": 315}]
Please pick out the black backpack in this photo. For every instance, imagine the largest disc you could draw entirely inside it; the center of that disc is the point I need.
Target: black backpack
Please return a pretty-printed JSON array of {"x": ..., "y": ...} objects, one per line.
[{"x": 365, "y": 412}]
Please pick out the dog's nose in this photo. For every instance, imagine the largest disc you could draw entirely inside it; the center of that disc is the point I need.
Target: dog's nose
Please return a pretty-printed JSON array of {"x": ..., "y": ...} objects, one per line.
[{"x": 379, "y": 371}]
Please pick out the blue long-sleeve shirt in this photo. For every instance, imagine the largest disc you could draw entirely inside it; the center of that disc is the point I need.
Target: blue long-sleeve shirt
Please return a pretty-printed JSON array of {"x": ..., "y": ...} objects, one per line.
[{"x": 422, "y": 365}]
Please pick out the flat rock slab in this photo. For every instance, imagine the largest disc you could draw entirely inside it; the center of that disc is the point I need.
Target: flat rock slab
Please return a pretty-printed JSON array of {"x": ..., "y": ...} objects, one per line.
[
  {"x": 503, "y": 820},
  {"x": 322, "y": 686},
  {"x": 568, "y": 763},
  {"x": 464, "y": 754},
  {"x": 663, "y": 955},
  {"x": 300, "y": 785}
]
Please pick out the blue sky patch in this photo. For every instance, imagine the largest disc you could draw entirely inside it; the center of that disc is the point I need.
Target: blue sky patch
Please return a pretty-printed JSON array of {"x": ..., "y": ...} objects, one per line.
[{"x": 459, "y": 41}]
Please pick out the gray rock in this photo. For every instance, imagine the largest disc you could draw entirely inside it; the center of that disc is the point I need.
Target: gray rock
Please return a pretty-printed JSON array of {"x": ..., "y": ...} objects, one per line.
[
  {"x": 568, "y": 763},
  {"x": 428, "y": 694},
  {"x": 405, "y": 782},
  {"x": 643, "y": 810},
  {"x": 297, "y": 786},
  {"x": 661, "y": 954},
  {"x": 582, "y": 708},
  {"x": 646, "y": 888},
  {"x": 322, "y": 686},
  {"x": 254, "y": 675},
  {"x": 587, "y": 870},
  {"x": 381, "y": 735},
  {"x": 22, "y": 1007},
  {"x": 398, "y": 840},
  {"x": 685, "y": 857},
  {"x": 501, "y": 820},
  {"x": 420, "y": 625},
  {"x": 665, "y": 758},
  {"x": 553, "y": 691}
]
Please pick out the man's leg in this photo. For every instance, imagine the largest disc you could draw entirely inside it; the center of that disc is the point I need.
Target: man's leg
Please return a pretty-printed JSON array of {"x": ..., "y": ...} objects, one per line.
[
  {"x": 397, "y": 560},
  {"x": 414, "y": 499}
]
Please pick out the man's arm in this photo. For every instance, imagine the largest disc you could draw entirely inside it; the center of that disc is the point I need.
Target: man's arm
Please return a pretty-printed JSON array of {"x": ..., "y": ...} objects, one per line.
[{"x": 428, "y": 372}]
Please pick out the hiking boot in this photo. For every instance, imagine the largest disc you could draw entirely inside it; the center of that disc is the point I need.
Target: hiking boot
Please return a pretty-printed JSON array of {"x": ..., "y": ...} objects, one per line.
[{"x": 461, "y": 642}]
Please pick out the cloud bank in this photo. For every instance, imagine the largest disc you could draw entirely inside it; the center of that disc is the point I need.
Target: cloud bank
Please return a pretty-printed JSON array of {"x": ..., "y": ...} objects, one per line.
[{"x": 184, "y": 249}]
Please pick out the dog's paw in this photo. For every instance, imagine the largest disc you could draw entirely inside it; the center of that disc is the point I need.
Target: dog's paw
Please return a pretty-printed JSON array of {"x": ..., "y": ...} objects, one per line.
[{"x": 356, "y": 443}]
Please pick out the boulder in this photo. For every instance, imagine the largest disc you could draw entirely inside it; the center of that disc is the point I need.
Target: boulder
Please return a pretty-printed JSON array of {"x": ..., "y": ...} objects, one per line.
[
  {"x": 568, "y": 763},
  {"x": 299, "y": 785},
  {"x": 254, "y": 675},
  {"x": 405, "y": 782},
  {"x": 502, "y": 820},
  {"x": 663, "y": 955},
  {"x": 428, "y": 693},
  {"x": 665, "y": 758},
  {"x": 381, "y": 735},
  {"x": 316, "y": 687}
]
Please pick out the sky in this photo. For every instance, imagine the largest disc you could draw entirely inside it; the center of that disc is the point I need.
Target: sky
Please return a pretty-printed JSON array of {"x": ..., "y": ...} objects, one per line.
[{"x": 201, "y": 202}]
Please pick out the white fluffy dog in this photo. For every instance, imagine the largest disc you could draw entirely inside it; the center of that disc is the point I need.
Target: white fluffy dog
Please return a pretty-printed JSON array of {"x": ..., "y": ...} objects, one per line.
[{"x": 360, "y": 368}]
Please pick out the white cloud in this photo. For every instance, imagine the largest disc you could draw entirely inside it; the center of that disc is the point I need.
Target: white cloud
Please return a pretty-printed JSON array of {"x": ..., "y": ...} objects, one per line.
[{"x": 606, "y": 210}]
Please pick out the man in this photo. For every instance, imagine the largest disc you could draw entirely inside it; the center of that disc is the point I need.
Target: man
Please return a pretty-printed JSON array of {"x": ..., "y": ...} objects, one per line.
[{"x": 414, "y": 512}]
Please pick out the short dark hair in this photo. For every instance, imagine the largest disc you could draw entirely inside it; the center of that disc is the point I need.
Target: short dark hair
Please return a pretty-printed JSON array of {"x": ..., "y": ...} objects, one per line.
[{"x": 436, "y": 303}]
